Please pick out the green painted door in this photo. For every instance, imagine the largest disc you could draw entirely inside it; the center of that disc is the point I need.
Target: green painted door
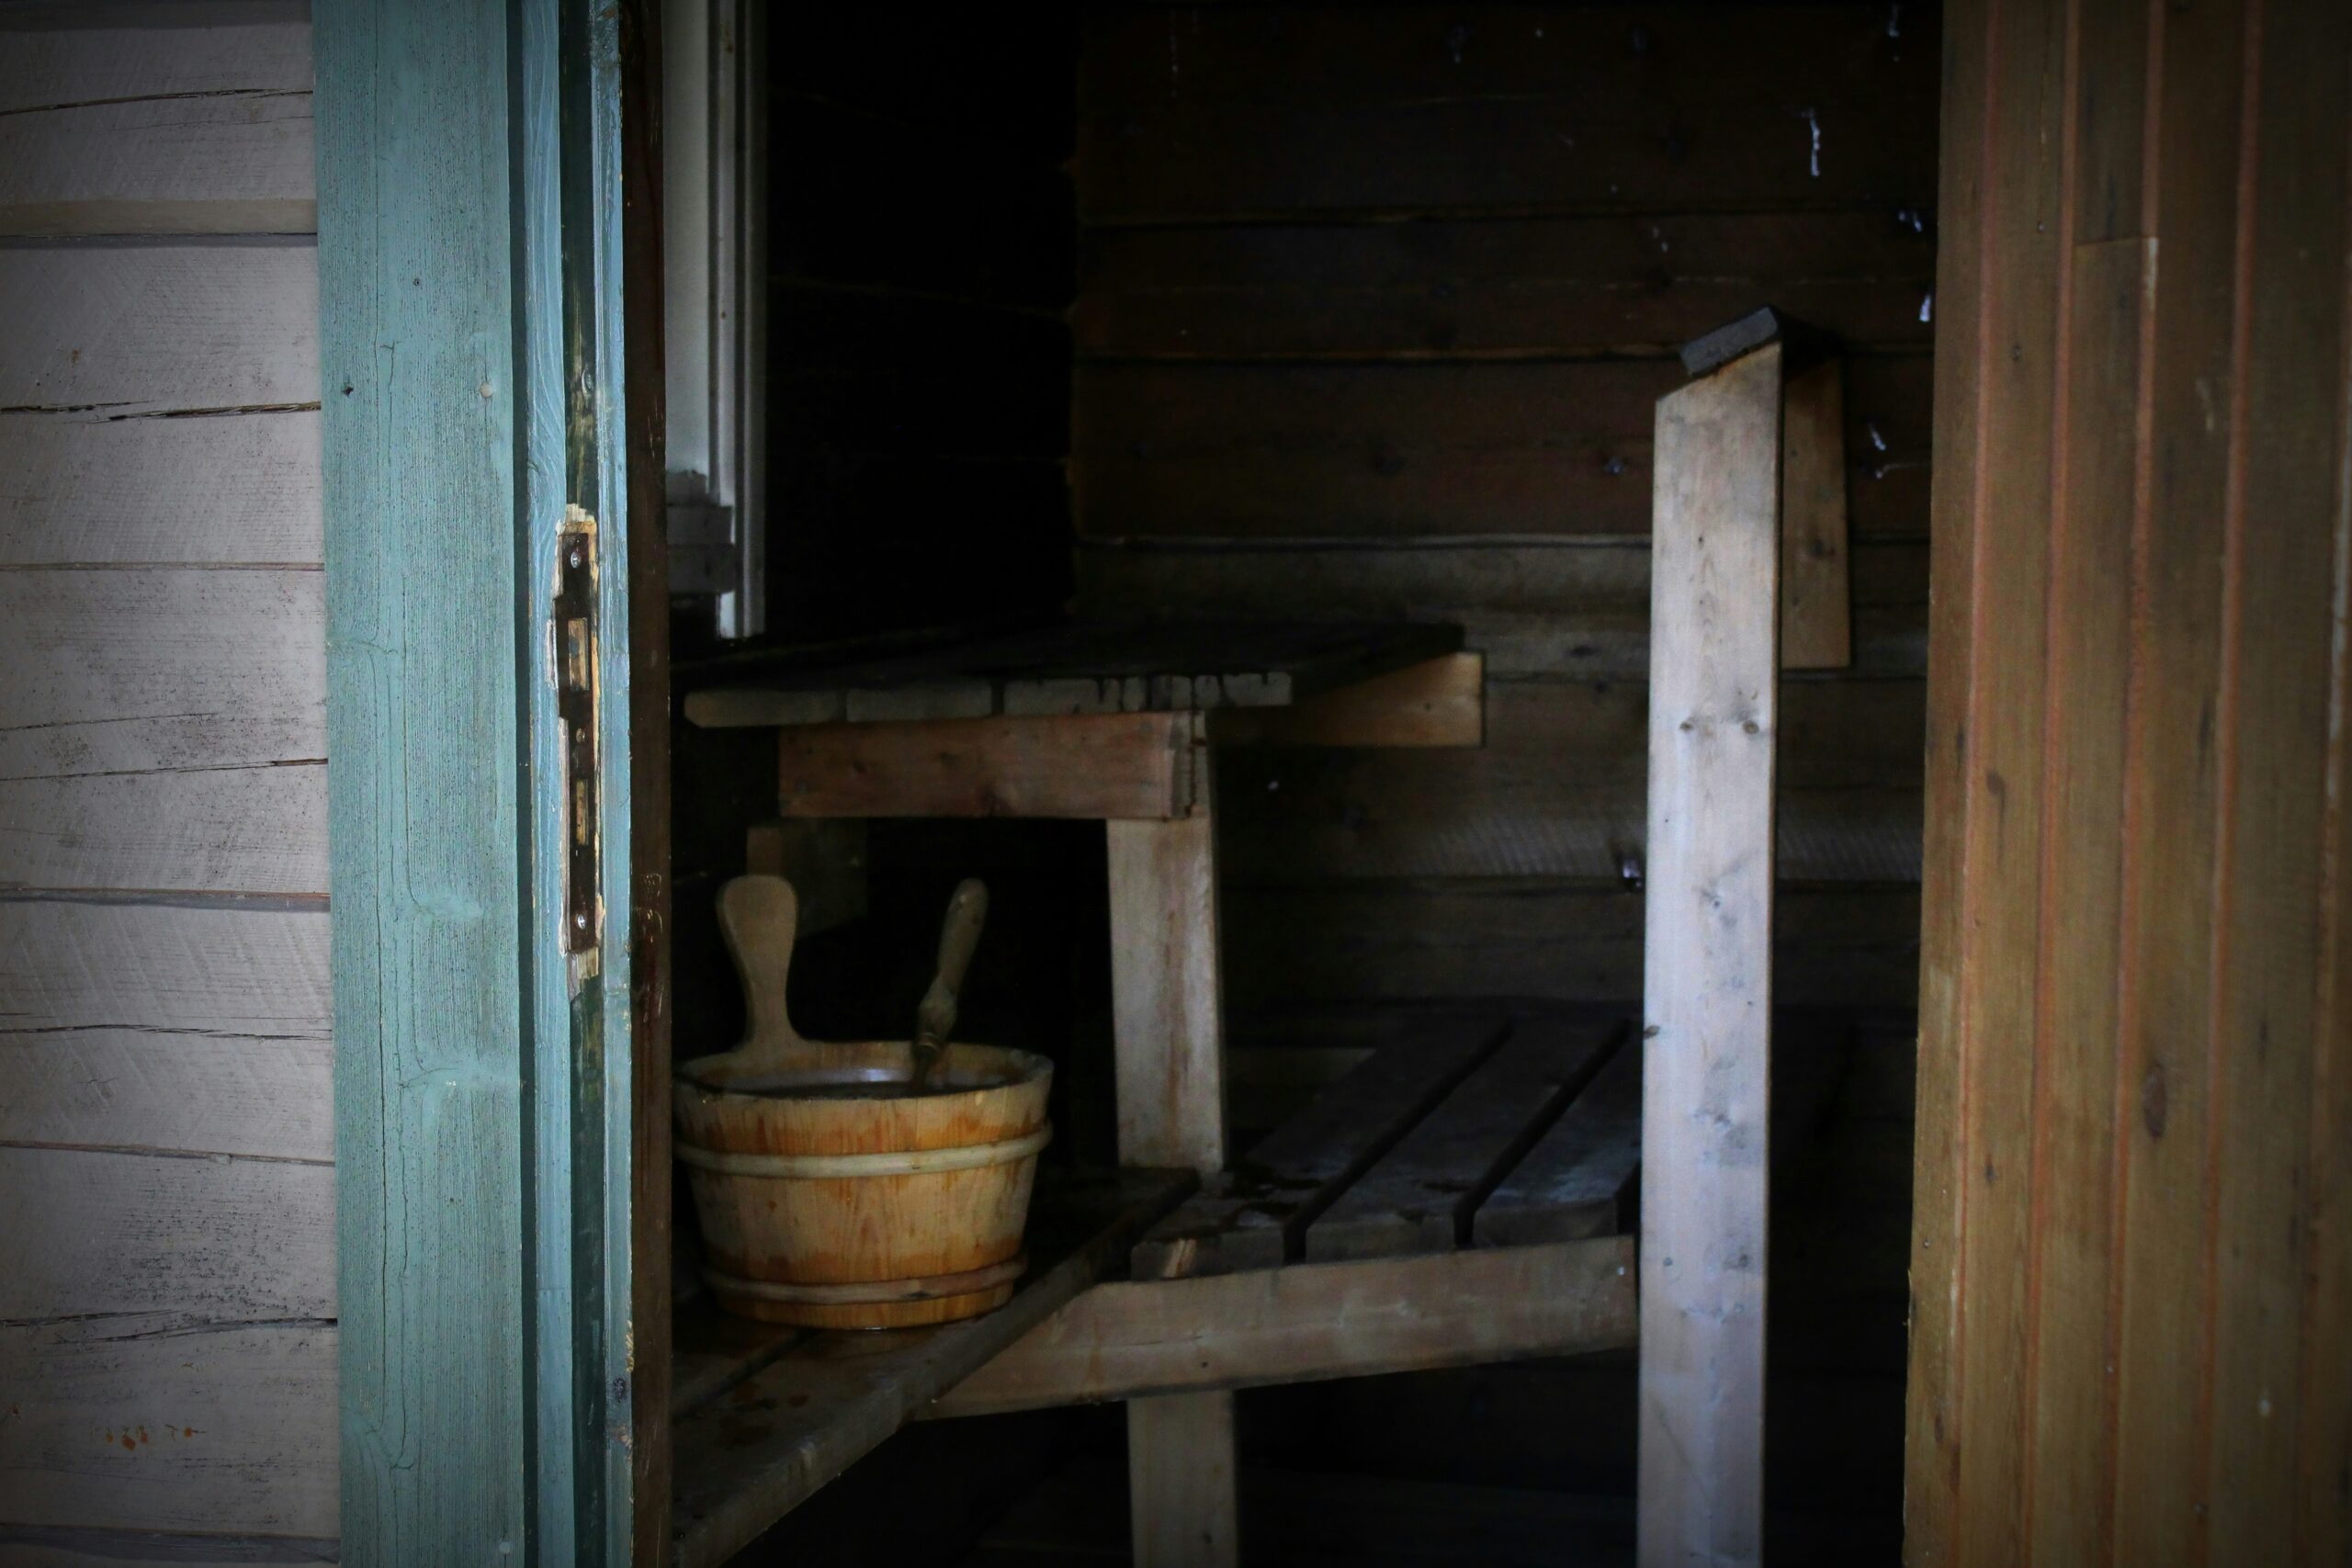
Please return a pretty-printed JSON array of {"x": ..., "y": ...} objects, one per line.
[{"x": 480, "y": 695}]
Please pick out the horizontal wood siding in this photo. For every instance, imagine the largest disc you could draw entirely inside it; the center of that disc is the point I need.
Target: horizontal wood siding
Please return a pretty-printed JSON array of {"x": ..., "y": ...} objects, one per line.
[
  {"x": 1374, "y": 307},
  {"x": 187, "y": 1030},
  {"x": 166, "y": 1184},
  {"x": 117, "y": 119},
  {"x": 2129, "y": 1267}
]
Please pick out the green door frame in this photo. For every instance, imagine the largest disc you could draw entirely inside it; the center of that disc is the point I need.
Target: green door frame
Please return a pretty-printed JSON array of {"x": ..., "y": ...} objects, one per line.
[{"x": 471, "y": 235}]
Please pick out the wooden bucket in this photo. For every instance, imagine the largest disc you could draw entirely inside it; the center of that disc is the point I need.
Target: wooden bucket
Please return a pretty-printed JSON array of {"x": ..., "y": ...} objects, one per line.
[{"x": 833, "y": 1212}]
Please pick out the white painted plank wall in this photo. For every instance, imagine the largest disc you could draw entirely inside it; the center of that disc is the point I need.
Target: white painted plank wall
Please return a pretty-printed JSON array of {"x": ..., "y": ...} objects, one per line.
[
  {"x": 166, "y": 1186},
  {"x": 191, "y": 1030},
  {"x": 188, "y": 119}
]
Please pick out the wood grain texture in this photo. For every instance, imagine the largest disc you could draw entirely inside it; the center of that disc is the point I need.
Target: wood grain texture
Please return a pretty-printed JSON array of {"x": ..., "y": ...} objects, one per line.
[
  {"x": 1087, "y": 669},
  {"x": 189, "y": 1030},
  {"x": 757, "y": 1452},
  {"x": 1168, "y": 1032},
  {"x": 1559, "y": 790},
  {"x": 1168, "y": 997},
  {"x": 123, "y": 50},
  {"x": 1182, "y": 1481},
  {"x": 1257, "y": 1216},
  {"x": 1569, "y": 1184},
  {"x": 138, "y": 1423},
  {"x": 198, "y": 1242},
  {"x": 1457, "y": 939},
  {"x": 1421, "y": 1194},
  {"x": 1438, "y": 703},
  {"x": 2016, "y": 460},
  {"x": 1390, "y": 450},
  {"x": 2077, "y": 1103},
  {"x": 1940, "y": 1186},
  {"x": 422, "y": 495},
  {"x": 1374, "y": 307},
  {"x": 116, "y": 672},
  {"x": 136, "y": 330},
  {"x": 2124, "y": 1281},
  {"x": 1312, "y": 1321},
  {"x": 226, "y": 490},
  {"x": 235, "y": 829},
  {"x": 1817, "y": 615},
  {"x": 2174, "y": 1060},
  {"x": 1532, "y": 607},
  {"x": 2279, "y": 623},
  {"x": 233, "y": 162},
  {"x": 1707, "y": 988},
  {"x": 1110, "y": 766}
]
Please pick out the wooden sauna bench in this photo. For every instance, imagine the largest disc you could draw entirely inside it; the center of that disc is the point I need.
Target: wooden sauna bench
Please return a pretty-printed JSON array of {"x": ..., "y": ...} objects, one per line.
[
  {"x": 1458, "y": 1196},
  {"x": 1453, "y": 1199}
]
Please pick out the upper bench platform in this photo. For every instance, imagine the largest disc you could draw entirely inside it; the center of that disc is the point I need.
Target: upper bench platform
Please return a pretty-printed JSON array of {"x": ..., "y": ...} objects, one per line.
[{"x": 1193, "y": 667}]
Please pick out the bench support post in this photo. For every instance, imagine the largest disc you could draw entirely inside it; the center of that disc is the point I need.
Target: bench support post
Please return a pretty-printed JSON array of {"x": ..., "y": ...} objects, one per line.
[
  {"x": 1707, "y": 981},
  {"x": 1167, "y": 1005}
]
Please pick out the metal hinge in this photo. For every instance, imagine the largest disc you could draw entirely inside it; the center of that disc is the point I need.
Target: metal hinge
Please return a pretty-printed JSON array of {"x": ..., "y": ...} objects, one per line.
[{"x": 575, "y": 707}]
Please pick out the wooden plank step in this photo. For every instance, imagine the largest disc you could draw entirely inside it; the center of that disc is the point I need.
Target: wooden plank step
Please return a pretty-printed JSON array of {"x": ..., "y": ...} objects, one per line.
[
  {"x": 1127, "y": 1339},
  {"x": 1421, "y": 1195},
  {"x": 1257, "y": 1213},
  {"x": 1568, "y": 1186},
  {"x": 1136, "y": 667},
  {"x": 746, "y": 1457}
]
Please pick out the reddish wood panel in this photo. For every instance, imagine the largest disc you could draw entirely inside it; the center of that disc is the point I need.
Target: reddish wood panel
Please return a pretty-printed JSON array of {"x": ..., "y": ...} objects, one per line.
[{"x": 2129, "y": 1326}]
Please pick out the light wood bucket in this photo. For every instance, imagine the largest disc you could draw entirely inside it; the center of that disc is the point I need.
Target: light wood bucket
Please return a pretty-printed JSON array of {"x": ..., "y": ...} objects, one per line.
[{"x": 853, "y": 1212}]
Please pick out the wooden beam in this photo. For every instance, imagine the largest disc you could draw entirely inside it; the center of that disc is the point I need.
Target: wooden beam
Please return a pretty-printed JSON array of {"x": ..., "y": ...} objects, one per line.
[
  {"x": 1816, "y": 609},
  {"x": 1707, "y": 981},
  {"x": 1438, "y": 703},
  {"x": 1181, "y": 1481},
  {"x": 749, "y": 1456},
  {"x": 1107, "y": 766},
  {"x": 1314, "y": 1321},
  {"x": 1167, "y": 1011}
]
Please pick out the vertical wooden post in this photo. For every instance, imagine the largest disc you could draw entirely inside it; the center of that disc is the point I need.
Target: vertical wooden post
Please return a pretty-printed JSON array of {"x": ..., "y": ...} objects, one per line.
[
  {"x": 1707, "y": 981},
  {"x": 1167, "y": 999},
  {"x": 1816, "y": 595}
]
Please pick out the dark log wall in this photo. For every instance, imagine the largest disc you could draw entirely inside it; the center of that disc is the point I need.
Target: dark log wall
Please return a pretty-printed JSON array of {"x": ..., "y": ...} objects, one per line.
[{"x": 1374, "y": 305}]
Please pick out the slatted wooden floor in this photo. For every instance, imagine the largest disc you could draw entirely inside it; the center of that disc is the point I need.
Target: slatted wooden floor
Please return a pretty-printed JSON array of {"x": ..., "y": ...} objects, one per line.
[{"x": 1481, "y": 1129}]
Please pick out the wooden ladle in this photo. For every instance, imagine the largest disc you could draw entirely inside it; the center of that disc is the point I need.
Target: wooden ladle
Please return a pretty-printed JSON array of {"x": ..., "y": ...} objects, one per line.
[
  {"x": 759, "y": 916},
  {"x": 967, "y": 908}
]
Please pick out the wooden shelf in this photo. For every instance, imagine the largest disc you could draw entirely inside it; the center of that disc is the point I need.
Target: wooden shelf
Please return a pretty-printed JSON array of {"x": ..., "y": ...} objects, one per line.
[
  {"x": 762, "y": 1416},
  {"x": 1455, "y": 1199},
  {"x": 1085, "y": 670},
  {"x": 1478, "y": 1128}
]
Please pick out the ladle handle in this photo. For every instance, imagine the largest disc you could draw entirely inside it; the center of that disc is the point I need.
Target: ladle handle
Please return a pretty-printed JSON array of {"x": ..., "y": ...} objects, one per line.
[
  {"x": 759, "y": 917},
  {"x": 936, "y": 1018}
]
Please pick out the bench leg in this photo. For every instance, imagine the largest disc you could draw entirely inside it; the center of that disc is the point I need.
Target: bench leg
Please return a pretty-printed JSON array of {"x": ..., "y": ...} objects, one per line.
[
  {"x": 1180, "y": 1480},
  {"x": 1166, "y": 1000}
]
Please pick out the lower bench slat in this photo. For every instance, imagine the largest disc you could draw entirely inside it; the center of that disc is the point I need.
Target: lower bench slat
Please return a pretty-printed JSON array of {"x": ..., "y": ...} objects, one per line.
[{"x": 1307, "y": 1322}]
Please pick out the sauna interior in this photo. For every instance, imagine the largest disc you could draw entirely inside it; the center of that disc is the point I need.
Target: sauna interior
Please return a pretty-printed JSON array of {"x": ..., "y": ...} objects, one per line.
[{"x": 1303, "y": 318}]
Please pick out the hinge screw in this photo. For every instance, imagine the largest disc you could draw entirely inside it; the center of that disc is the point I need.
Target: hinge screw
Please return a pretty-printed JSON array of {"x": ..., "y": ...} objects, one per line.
[
  {"x": 574, "y": 556},
  {"x": 580, "y": 921}
]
